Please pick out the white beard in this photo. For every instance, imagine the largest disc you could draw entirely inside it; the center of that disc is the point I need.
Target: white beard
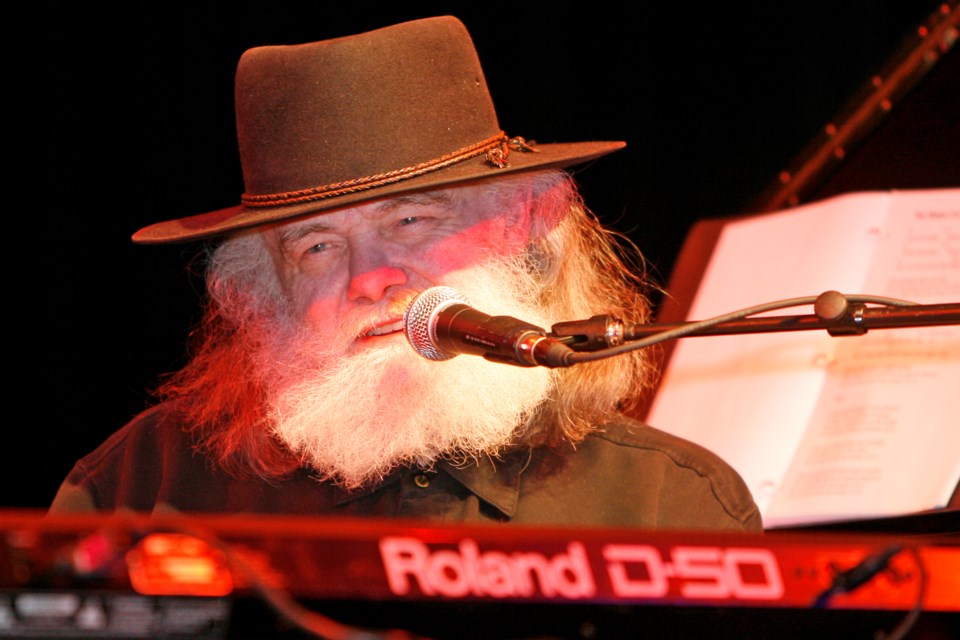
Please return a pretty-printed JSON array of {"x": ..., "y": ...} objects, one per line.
[{"x": 354, "y": 417}]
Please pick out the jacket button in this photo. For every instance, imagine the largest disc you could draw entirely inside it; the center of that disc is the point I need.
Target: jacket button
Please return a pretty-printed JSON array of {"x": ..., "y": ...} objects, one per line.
[{"x": 422, "y": 480}]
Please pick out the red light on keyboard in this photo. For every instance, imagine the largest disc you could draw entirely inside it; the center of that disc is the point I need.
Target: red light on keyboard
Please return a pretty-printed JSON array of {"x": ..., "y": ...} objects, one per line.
[{"x": 178, "y": 564}]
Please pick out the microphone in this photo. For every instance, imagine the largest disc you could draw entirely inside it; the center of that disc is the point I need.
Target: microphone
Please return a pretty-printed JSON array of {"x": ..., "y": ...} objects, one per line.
[{"x": 441, "y": 324}]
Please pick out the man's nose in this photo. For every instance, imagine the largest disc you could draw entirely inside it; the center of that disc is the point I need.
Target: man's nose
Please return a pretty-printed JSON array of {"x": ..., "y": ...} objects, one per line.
[{"x": 372, "y": 272}]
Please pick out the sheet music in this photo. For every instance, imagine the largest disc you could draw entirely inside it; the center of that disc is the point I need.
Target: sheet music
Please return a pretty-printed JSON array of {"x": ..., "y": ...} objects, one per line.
[
  {"x": 760, "y": 399},
  {"x": 884, "y": 438}
]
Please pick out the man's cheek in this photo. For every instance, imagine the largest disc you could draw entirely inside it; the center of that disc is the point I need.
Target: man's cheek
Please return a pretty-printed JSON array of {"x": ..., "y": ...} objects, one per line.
[
  {"x": 467, "y": 248},
  {"x": 321, "y": 316}
]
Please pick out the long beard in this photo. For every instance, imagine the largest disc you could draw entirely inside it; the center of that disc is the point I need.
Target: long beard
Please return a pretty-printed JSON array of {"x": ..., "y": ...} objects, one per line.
[{"x": 353, "y": 416}]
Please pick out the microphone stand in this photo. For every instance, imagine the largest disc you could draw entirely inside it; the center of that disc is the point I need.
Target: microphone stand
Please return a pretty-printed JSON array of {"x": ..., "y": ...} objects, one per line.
[
  {"x": 838, "y": 314},
  {"x": 841, "y": 319}
]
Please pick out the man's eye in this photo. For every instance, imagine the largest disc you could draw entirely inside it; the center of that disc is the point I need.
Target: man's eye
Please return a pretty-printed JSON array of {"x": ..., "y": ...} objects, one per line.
[
  {"x": 319, "y": 247},
  {"x": 408, "y": 220}
]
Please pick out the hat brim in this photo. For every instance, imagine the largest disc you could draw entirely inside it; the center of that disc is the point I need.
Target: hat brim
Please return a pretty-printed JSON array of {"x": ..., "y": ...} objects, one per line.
[{"x": 222, "y": 221}]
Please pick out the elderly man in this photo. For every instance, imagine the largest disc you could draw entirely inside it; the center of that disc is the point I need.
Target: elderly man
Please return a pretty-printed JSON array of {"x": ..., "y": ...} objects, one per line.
[{"x": 375, "y": 169}]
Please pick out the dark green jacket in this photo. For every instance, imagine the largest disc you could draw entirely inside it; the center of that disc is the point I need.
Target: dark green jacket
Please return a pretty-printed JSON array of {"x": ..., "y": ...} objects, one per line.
[{"x": 627, "y": 474}]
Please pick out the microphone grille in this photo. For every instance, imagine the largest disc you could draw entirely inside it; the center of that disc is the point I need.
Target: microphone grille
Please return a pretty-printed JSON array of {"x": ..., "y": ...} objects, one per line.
[{"x": 420, "y": 318}]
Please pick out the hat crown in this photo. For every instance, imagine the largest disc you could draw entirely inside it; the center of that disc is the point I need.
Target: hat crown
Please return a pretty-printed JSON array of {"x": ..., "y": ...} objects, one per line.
[{"x": 324, "y": 113}]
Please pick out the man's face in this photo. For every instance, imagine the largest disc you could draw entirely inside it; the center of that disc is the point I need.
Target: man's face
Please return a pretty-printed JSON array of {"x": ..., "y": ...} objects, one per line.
[
  {"x": 367, "y": 262},
  {"x": 345, "y": 391}
]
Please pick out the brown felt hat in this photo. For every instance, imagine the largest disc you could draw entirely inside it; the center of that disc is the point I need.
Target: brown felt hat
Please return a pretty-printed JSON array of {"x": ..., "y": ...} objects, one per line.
[{"x": 339, "y": 122}]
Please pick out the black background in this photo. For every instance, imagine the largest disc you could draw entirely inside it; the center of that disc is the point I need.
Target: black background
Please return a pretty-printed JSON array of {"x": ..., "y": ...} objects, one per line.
[{"x": 712, "y": 100}]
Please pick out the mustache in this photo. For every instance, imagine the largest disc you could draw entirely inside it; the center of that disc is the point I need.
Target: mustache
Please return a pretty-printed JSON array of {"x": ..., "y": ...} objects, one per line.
[
  {"x": 307, "y": 342},
  {"x": 359, "y": 322}
]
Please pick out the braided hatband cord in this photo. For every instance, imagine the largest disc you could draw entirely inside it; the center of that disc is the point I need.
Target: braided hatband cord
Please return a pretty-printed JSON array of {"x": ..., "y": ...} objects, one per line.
[{"x": 340, "y": 188}]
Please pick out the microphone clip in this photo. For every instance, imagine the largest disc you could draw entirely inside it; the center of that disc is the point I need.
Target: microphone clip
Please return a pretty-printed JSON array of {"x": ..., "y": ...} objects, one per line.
[{"x": 592, "y": 334}]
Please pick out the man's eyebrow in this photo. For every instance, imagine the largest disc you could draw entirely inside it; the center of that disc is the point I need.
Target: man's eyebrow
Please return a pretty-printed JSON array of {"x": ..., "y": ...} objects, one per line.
[
  {"x": 424, "y": 198},
  {"x": 292, "y": 234}
]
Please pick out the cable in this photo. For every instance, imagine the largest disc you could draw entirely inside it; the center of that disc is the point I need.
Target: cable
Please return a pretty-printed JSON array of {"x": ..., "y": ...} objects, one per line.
[
  {"x": 861, "y": 573},
  {"x": 867, "y": 569},
  {"x": 693, "y": 327},
  {"x": 909, "y": 620},
  {"x": 303, "y": 618}
]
